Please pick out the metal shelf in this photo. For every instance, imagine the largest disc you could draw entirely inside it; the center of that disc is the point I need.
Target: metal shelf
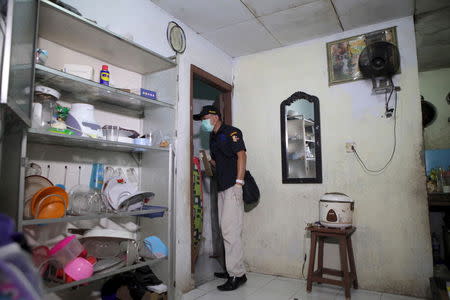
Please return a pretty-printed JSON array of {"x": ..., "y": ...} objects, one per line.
[
  {"x": 77, "y": 33},
  {"x": 40, "y": 136},
  {"x": 64, "y": 286},
  {"x": 92, "y": 217},
  {"x": 77, "y": 89}
]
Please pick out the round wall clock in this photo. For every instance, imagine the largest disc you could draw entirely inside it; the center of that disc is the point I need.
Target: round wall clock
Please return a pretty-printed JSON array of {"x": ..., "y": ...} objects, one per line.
[{"x": 176, "y": 37}]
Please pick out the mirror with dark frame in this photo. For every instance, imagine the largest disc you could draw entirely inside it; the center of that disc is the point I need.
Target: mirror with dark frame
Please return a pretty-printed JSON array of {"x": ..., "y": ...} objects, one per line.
[{"x": 301, "y": 154}]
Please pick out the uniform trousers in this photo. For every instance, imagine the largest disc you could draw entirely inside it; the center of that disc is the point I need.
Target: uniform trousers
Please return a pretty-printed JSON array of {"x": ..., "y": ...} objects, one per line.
[{"x": 231, "y": 215}]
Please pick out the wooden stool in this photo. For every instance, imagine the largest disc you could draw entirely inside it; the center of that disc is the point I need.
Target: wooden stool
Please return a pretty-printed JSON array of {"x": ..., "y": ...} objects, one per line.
[{"x": 318, "y": 234}]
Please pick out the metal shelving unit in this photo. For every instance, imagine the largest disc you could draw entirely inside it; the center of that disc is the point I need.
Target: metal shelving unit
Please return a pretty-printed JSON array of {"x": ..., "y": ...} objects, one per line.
[
  {"x": 41, "y": 136},
  {"x": 78, "y": 89},
  {"x": 136, "y": 213},
  {"x": 80, "y": 34},
  {"x": 156, "y": 164},
  {"x": 60, "y": 287}
]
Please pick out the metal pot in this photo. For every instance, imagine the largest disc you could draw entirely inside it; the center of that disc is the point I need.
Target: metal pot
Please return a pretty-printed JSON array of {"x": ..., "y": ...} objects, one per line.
[{"x": 336, "y": 210}]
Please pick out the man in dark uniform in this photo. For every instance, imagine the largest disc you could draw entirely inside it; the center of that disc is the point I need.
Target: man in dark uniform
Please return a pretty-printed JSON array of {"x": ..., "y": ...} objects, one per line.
[{"x": 229, "y": 156}]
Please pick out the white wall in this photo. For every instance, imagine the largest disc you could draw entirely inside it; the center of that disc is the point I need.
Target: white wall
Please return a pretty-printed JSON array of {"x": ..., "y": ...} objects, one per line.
[
  {"x": 434, "y": 86},
  {"x": 392, "y": 242},
  {"x": 147, "y": 22}
]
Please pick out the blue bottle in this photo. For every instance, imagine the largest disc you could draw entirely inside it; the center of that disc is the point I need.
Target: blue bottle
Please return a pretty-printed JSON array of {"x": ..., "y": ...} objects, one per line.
[
  {"x": 97, "y": 176},
  {"x": 104, "y": 75}
]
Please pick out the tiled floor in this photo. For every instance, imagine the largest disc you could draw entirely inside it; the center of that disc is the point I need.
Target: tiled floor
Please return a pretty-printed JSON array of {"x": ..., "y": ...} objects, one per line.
[{"x": 266, "y": 287}]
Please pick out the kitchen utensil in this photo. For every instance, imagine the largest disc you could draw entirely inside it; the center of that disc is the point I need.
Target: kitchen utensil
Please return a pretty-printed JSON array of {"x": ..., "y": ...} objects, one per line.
[
  {"x": 132, "y": 176},
  {"x": 336, "y": 210},
  {"x": 66, "y": 250},
  {"x": 136, "y": 201},
  {"x": 51, "y": 206},
  {"x": 84, "y": 200},
  {"x": 109, "y": 173},
  {"x": 97, "y": 175},
  {"x": 48, "y": 113},
  {"x": 119, "y": 173},
  {"x": 101, "y": 247},
  {"x": 33, "y": 184},
  {"x": 63, "y": 186},
  {"x": 79, "y": 268},
  {"x": 123, "y": 132},
  {"x": 111, "y": 132},
  {"x": 42, "y": 193},
  {"x": 107, "y": 263}
]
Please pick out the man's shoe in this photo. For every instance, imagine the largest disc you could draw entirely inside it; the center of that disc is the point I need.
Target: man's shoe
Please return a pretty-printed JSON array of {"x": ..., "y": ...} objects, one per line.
[
  {"x": 233, "y": 283},
  {"x": 223, "y": 275}
]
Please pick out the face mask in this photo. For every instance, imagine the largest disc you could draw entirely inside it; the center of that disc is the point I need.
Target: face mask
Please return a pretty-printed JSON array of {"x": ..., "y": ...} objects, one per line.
[{"x": 207, "y": 126}]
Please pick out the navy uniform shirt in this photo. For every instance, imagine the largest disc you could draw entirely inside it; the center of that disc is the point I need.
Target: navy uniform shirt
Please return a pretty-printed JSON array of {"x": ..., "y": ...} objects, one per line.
[{"x": 224, "y": 144}]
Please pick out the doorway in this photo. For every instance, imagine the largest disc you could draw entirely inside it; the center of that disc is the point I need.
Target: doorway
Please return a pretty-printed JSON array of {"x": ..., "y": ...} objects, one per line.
[{"x": 207, "y": 252}]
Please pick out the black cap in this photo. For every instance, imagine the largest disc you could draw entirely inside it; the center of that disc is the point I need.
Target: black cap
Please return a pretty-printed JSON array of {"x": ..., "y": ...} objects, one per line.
[{"x": 207, "y": 110}]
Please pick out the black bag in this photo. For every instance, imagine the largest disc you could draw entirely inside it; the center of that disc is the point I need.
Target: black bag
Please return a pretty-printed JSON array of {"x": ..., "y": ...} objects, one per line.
[{"x": 250, "y": 189}]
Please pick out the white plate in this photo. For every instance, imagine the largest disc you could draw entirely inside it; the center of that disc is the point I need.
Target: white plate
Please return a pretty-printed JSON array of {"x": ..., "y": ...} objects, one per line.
[
  {"x": 110, "y": 233},
  {"x": 33, "y": 184}
]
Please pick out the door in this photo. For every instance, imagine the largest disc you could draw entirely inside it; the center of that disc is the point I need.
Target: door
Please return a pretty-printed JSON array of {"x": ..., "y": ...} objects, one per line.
[{"x": 19, "y": 44}]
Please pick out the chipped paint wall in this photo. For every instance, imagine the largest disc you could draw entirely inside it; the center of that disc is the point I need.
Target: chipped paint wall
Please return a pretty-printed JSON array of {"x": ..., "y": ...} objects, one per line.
[
  {"x": 434, "y": 86},
  {"x": 392, "y": 242}
]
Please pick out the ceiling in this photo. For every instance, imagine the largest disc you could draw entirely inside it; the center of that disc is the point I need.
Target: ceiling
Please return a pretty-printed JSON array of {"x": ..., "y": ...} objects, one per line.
[
  {"x": 432, "y": 18},
  {"x": 241, "y": 27}
]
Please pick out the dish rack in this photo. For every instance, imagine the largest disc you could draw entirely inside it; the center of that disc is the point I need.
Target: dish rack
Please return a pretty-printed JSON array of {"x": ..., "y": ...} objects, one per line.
[{"x": 155, "y": 164}]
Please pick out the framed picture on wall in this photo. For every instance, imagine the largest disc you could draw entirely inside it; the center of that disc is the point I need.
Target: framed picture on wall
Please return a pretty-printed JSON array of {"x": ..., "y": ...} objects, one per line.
[{"x": 343, "y": 54}]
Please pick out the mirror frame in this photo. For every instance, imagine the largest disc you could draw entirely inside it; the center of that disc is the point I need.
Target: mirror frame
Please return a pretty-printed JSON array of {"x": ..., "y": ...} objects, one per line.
[{"x": 318, "y": 148}]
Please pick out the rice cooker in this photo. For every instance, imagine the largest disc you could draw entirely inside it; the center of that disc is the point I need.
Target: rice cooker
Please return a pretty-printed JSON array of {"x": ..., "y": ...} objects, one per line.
[{"x": 336, "y": 210}]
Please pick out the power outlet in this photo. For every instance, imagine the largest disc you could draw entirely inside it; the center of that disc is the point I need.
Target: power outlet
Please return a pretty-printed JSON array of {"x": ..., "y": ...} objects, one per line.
[{"x": 349, "y": 147}]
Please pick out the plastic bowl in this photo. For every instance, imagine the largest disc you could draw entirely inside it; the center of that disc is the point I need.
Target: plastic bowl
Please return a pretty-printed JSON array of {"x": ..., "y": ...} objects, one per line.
[
  {"x": 66, "y": 250},
  {"x": 51, "y": 206},
  {"x": 53, "y": 190},
  {"x": 79, "y": 269}
]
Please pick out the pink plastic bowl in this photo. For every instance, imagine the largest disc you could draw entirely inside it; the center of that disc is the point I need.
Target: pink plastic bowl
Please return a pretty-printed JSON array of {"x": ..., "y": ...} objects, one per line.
[{"x": 79, "y": 268}]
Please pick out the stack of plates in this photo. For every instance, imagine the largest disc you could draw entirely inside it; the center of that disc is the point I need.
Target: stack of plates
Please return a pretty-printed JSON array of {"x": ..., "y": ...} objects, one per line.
[{"x": 122, "y": 195}]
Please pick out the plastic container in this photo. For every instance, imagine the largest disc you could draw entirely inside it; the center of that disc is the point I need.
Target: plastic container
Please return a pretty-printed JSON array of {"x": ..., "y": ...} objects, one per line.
[
  {"x": 66, "y": 250},
  {"x": 104, "y": 75},
  {"x": 47, "y": 97},
  {"x": 97, "y": 176},
  {"x": 83, "y": 71},
  {"x": 79, "y": 268},
  {"x": 111, "y": 132}
]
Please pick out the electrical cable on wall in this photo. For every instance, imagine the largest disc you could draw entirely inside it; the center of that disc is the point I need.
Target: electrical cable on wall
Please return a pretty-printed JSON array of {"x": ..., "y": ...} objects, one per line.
[{"x": 377, "y": 171}]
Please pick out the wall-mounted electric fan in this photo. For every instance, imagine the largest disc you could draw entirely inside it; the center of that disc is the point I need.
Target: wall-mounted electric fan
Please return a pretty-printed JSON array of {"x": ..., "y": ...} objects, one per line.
[{"x": 379, "y": 61}]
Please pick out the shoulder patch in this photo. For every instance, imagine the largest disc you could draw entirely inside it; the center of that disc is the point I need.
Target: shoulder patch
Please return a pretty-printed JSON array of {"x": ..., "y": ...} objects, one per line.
[
  {"x": 233, "y": 133},
  {"x": 235, "y": 138}
]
